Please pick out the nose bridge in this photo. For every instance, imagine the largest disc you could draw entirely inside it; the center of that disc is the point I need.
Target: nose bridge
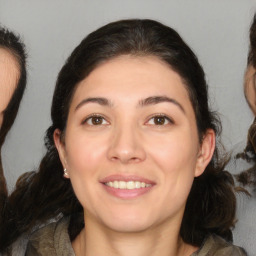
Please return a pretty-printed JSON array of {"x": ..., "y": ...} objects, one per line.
[{"x": 126, "y": 144}]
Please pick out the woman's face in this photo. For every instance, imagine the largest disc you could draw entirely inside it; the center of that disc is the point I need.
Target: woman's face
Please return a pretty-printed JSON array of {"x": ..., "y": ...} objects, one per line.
[
  {"x": 131, "y": 145},
  {"x": 250, "y": 88},
  {"x": 9, "y": 75}
]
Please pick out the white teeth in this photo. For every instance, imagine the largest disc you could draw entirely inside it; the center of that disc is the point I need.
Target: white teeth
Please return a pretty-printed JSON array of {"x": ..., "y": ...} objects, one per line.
[
  {"x": 130, "y": 185},
  {"x": 116, "y": 185},
  {"x": 122, "y": 184},
  {"x": 137, "y": 184},
  {"x": 127, "y": 185}
]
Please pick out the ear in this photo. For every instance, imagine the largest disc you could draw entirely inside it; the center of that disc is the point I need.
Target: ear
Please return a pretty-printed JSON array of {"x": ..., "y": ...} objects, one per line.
[
  {"x": 60, "y": 145},
  {"x": 205, "y": 152}
]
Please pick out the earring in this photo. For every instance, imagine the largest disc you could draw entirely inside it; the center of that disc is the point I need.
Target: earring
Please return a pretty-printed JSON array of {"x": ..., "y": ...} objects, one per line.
[{"x": 65, "y": 173}]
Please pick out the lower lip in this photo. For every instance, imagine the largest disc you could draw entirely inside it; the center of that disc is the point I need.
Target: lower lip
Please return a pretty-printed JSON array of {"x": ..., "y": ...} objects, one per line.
[{"x": 127, "y": 193}]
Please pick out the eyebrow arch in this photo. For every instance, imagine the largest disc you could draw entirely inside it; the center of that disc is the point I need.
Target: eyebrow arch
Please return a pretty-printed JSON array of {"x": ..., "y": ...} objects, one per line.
[
  {"x": 159, "y": 99},
  {"x": 101, "y": 101}
]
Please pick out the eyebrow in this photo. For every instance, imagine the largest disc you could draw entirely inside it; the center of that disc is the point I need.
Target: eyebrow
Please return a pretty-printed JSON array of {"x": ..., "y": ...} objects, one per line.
[
  {"x": 145, "y": 102},
  {"x": 100, "y": 101},
  {"x": 159, "y": 99}
]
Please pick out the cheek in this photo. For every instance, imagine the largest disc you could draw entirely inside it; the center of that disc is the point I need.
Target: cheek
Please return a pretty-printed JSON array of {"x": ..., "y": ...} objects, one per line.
[
  {"x": 85, "y": 162},
  {"x": 84, "y": 154},
  {"x": 250, "y": 95},
  {"x": 5, "y": 97},
  {"x": 175, "y": 153},
  {"x": 249, "y": 88},
  {"x": 176, "y": 157},
  {"x": 1, "y": 119}
]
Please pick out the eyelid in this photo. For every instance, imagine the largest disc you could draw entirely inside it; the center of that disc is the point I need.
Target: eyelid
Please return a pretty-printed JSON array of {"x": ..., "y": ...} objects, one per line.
[
  {"x": 85, "y": 120},
  {"x": 169, "y": 119}
]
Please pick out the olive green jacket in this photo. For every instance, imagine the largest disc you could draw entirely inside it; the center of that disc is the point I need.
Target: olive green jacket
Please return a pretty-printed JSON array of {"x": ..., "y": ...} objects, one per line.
[{"x": 53, "y": 240}]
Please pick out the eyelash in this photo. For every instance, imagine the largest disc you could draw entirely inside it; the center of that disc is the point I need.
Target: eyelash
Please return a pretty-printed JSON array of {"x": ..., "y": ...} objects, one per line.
[
  {"x": 96, "y": 116},
  {"x": 166, "y": 118}
]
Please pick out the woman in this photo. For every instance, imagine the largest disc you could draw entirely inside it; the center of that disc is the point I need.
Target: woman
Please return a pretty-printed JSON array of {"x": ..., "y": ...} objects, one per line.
[
  {"x": 131, "y": 164},
  {"x": 12, "y": 86},
  {"x": 248, "y": 177},
  {"x": 245, "y": 163}
]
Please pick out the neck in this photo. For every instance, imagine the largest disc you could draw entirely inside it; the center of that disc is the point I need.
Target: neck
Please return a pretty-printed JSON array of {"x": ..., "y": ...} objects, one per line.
[{"x": 96, "y": 239}]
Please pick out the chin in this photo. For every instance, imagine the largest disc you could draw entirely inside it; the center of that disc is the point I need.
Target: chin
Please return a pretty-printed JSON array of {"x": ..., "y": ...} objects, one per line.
[
  {"x": 128, "y": 223},
  {"x": 128, "y": 227}
]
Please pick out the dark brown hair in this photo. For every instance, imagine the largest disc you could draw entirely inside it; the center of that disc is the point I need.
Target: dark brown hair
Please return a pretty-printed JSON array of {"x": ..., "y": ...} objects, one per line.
[
  {"x": 11, "y": 43},
  {"x": 252, "y": 49},
  {"x": 42, "y": 195},
  {"x": 248, "y": 176}
]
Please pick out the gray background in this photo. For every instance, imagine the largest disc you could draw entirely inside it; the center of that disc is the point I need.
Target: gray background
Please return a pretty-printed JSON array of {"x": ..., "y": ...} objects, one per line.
[{"x": 217, "y": 30}]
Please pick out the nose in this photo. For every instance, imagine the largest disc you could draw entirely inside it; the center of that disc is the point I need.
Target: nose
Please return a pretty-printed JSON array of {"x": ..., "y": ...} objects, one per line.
[{"x": 126, "y": 146}]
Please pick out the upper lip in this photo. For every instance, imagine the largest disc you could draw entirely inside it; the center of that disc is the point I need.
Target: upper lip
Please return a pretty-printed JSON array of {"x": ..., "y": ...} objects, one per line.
[{"x": 118, "y": 177}]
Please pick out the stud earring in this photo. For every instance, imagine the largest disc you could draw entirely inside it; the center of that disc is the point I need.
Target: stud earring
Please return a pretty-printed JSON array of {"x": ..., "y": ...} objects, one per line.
[{"x": 65, "y": 173}]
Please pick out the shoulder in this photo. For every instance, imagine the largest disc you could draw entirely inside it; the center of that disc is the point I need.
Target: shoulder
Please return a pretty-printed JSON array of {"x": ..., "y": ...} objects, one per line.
[
  {"x": 217, "y": 246},
  {"x": 20, "y": 245},
  {"x": 18, "y": 248},
  {"x": 51, "y": 240}
]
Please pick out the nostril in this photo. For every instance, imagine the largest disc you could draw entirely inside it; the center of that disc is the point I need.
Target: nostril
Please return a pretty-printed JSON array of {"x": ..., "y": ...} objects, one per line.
[
  {"x": 114, "y": 158},
  {"x": 134, "y": 159},
  {"x": 125, "y": 159}
]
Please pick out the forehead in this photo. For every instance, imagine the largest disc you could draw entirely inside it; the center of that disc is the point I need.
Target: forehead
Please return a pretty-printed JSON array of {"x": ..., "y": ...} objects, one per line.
[
  {"x": 9, "y": 74},
  {"x": 132, "y": 78}
]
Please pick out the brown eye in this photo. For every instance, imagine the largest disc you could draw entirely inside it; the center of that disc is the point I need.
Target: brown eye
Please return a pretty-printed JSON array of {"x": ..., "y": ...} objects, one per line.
[
  {"x": 159, "y": 120},
  {"x": 95, "y": 120}
]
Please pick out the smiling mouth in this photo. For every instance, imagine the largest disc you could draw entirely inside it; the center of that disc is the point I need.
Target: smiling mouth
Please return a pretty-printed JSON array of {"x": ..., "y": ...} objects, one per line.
[{"x": 127, "y": 184}]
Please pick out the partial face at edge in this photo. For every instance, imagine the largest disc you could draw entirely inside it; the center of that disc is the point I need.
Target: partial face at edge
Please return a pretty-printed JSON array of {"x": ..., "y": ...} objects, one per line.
[
  {"x": 131, "y": 119},
  {"x": 250, "y": 88},
  {"x": 9, "y": 75}
]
